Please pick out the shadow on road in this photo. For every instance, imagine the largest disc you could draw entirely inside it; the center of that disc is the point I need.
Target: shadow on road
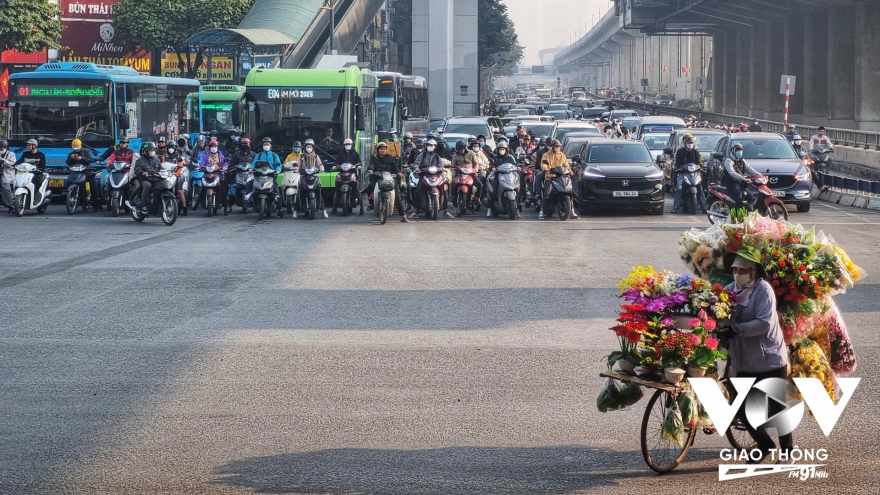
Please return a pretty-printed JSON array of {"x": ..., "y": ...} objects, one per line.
[{"x": 450, "y": 470}]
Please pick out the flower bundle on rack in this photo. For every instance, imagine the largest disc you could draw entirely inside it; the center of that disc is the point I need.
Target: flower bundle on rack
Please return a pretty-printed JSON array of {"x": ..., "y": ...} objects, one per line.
[
  {"x": 666, "y": 293},
  {"x": 705, "y": 352}
]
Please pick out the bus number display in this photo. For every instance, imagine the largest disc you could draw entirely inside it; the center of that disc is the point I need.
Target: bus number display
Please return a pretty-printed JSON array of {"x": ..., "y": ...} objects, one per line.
[
  {"x": 275, "y": 94},
  {"x": 61, "y": 91}
]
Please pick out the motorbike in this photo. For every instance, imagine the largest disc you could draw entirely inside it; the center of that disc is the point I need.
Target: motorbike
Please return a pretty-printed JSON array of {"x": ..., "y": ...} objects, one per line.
[
  {"x": 432, "y": 184},
  {"x": 238, "y": 191},
  {"x": 162, "y": 194},
  {"x": 310, "y": 188},
  {"x": 561, "y": 193},
  {"x": 346, "y": 188},
  {"x": 196, "y": 175},
  {"x": 462, "y": 189},
  {"x": 289, "y": 185},
  {"x": 757, "y": 196},
  {"x": 528, "y": 180},
  {"x": 24, "y": 195},
  {"x": 691, "y": 182},
  {"x": 412, "y": 187},
  {"x": 383, "y": 197},
  {"x": 79, "y": 185},
  {"x": 506, "y": 199},
  {"x": 210, "y": 185},
  {"x": 183, "y": 184},
  {"x": 263, "y": 195},
  {"x": 118, "y": 186},
  {"x": 821, "y": 160}
]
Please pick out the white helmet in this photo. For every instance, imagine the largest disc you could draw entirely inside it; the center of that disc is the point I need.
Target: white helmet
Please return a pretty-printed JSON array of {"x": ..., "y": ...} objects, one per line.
[{"x": 431, "y": 142}]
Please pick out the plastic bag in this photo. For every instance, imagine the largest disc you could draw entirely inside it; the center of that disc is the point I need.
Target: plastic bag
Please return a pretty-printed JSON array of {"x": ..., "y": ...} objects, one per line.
[
  {"x": 673, "y": 427},
  {"x": 630, "y": 393},
  {"x": 808, "y": 361},
  {"x": 609, "y": 398},
  {"x": 687, "y": 404},
  {"x": 843, "y": 357}
]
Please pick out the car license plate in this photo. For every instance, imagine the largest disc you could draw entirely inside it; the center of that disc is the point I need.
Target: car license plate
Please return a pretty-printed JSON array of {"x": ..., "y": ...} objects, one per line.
[
  {"x": 625, "y": 194},
  {"x": 779, "y": 194},
  {"x": 56, "y": 182}
]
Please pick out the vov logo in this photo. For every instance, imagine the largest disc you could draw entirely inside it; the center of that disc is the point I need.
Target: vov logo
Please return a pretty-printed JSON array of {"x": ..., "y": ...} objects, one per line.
[{"x": 757, "y": 397}]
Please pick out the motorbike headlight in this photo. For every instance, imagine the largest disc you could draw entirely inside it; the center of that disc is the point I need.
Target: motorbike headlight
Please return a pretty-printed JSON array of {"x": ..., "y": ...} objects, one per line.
[
  {"x": 590, "y": 174},
  {"x": 467, "y": 171},
  {"x": 432, "y": 170},
  {"x": 693, "y": 168},
  {"x": 802, "y": 174},
  {"x": 345, "y": 167},
  {"x": 164, "y": 174},
  {"x": 21, "y": 168}
]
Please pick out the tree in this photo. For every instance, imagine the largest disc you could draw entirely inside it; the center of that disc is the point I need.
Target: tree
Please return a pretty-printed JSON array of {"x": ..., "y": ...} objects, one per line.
[
  {"x": 167, "y": 25},
  {"x": 29, "y": 26},
  {"x": 497, "y": 35}
]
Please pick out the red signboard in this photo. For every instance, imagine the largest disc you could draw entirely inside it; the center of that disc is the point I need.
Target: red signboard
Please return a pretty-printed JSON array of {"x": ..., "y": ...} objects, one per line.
[{"x": 90, "y": 36}]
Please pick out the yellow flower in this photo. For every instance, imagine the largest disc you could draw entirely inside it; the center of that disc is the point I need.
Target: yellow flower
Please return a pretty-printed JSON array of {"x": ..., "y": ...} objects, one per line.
[{"x": 724, "y": 296}]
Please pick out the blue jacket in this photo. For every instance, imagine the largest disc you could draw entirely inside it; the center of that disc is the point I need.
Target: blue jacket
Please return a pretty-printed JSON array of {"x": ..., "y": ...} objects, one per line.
[{"x": 268, "y": 156}]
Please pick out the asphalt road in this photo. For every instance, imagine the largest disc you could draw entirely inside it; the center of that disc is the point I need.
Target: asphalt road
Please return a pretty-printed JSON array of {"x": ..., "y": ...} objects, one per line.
[{"x": 461, "y": 356}]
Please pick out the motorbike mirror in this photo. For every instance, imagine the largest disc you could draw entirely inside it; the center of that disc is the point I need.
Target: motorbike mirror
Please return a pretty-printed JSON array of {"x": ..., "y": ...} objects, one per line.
[
  {"x": 575, "y": 158},
  {"x": 801, "y": 154},
  {"x": 668, "y": 151},
  {"x": 718, "y": 155}
]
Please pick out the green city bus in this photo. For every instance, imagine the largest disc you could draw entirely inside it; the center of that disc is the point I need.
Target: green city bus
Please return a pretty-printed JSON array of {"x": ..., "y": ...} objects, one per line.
[
  {"x": 326, "y": 105},
  {"x": 216, "y": 107}
]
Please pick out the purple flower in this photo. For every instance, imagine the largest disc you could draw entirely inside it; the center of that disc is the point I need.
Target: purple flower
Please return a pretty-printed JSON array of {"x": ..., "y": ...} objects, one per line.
[
  {"x": 655, "y": 306},
  {"x": 667, "y": 322},
  {"x": 680, "y": 298}
]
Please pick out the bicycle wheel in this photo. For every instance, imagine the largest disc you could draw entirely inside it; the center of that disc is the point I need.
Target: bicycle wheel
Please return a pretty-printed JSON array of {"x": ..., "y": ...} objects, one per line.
[{"x": 662, "y": 455}]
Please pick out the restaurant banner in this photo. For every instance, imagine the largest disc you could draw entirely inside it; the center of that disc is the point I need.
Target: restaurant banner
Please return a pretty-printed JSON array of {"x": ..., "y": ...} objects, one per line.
[
  {"x": 90, "y": 36},
  {"x": 222, "y": 69}
]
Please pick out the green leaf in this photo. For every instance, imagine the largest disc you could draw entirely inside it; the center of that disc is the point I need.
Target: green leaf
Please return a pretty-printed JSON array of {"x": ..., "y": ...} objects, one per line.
[{"x": 29, "y": 26}]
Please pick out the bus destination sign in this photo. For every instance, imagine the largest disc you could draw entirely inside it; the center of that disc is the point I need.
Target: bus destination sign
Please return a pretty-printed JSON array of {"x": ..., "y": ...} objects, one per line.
[{"x": 61, "y": 91}]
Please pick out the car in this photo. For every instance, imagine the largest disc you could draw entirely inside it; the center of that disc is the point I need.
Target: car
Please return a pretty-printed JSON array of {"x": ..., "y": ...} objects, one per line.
[
  {"x": 619, "y": 174},
  {"x": 504, "y": 107},
  {"x": 773, "y": 156},
  {"x": 518, "y": 112},
  {"x": 631, "y": 123},
  {"x": 564, "y": 128},
  {"x": 657, "y": 142},
  {"x": 559, "y": 114},
  {"x": 558, "y": 106},
  {"x": 705, "y": 139},
  {"x": 530, "y": 118},
  {"x": 623, "y": 113},
  {"x": 603, "y": 102},
  {"x": 593, "y": 113},
  {"x": 664, "y": 100},
  {"x": 460, "y": 128},
  {"x": 532, "y": 109},
  {"x": 658, "y": 124},
  {"x": 541, "y": 129}
]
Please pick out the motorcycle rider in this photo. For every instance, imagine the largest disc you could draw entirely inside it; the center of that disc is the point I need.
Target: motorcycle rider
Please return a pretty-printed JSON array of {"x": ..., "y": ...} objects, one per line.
[
  {"x": 408, "y": 146},
  {"x": 736, "y": 174},
  {"x": 200, "y": 149},
  {"x": 482, "y": 169},
  {"x": 791, "y": 132},
  {"x": 294, "y": 155},
  {"x": 348, "y": 155},
  {"x": 274, "y": 161},
  {"x": 7, "y": 162},
  {"x": 383, "y": 162},
  {"x": 245, "y": 156},
  {"x": 443, "y": 150},
  {"x": 501, "y": 157},
  {"x": 173, "y": 155},
  {"x": 310, "y": 158},
  {"x": 755, "y": 127},
  {"x": 465, "y": 157},
  {"x": 36, "y": 158},
  {"x": 550, "y": 160},
  {"x": 216, "y": 158},
  {"x": 414, "y": 153},
  {"x": 525, "y": 148},
  {"x": 430, "y": 158},
  {"x": 118, "y": 153},
  {"x": 160, "y": 145},
  {"x": 797, "y": 143},
  {"x": 145, "y": 169},
  {"x": 80, "y": 156},
  {"x": 818, "y": 142},
  {"x": 685, "y": 155}
]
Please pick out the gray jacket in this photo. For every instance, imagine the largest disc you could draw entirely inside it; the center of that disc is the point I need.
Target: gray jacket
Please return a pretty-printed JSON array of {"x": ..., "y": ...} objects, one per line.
[{"x": 758, "y": 345}]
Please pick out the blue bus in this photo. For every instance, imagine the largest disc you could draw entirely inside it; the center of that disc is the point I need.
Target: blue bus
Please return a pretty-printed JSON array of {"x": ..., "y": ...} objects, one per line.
[{"x": 98, "y": 104}]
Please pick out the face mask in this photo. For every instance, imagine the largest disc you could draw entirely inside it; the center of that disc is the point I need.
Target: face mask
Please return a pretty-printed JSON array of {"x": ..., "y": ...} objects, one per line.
[
  {"x": 297, "y": 149},
  {"x": 213, "y": 149},
  {"x": 482, "y": 144},
  {"x": 407, "y": 140},
  {"x": 152, "y": 154},
  {"x": 245, "y": 147},
  {"x": 430, "y": 147},
  {"x": 738, "y": 154},
  {"x": 308, "y": 149},
  {"x": 171, "y": 150},
  {"x": 77, "y": 149},
  {"x": 476, "y": 148},
  {"x": 743, "y": 279},
  {"x": 689, "y": 146},
  {"x": 347, "y": 147},
  {"x": 267, "y": 148},
  {"x": 502, "y": 151}
]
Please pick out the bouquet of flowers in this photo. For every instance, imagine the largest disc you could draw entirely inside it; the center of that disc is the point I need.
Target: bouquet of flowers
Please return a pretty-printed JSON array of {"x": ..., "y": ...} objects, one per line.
[
  {"x": 808, "y": 361},
  {"x": 631, "y": 323},
  {"x": 673, "y": 348},
  {"x": 843, "y": 357}
]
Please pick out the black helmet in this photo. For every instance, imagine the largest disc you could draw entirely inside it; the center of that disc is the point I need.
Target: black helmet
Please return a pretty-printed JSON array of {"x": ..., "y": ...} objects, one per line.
[
  {"x": 737, "y": 146},
  {"x": 460, "y": 145},
  {"x": 267, "y": 140},
  {"x": 555, "y": 142},
  {"x": 297, "y": 144},
  {"x": 123, "y": 140},
  {"x": 4, "y": 144},
  {"x": 419, "y": 142}
]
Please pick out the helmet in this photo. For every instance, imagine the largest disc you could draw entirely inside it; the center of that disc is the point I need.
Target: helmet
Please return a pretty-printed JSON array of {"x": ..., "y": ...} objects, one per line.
[
  {"x": 393, "y": 130},
  {"x": 459, "y": 146},
  {"x": 408, "y": 135},
  {"x": 502, "y": 145},
  {"x": 431, "y": 142},
  {"x": 213, "y": 133},
  {"x": 737, "y": 146},
  {"x": 419, "y": 142},
  {"x": 267, "y": 140},
  {"x": 4, "y": 144},
  {"x": 76, "y": 143},
  {"x": 213, "y": 143},
  {"x": 430, "y": 134},
  {"x": 796, "y": 138},
  {"x": 382, "y": 144},
  {"x": 149, "y": 146},
  {"x": 123, "y": 140},
  {"x": 162, "y": 139},
  {"x": 202, "y": 138},
  {"x": 297, "y": 144},
  {"x": 245, "y": 141},
  {"x": 310, "y": 141},
  {"x": 33, "y": 142},
  {"x": 440, "y": 140},
  {"x": 542, "y": 140},
  {"x": 555, "y": 142},
  {"x": 531, "y": 133},
  {"x": 472, "y": 140},
  {"x": 688, "y": 139},
  {"x": 348, "y": 141}
]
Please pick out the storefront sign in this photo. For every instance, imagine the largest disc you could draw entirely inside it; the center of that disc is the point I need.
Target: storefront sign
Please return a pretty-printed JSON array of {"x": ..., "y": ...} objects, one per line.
[
  {"x": 222, "y": 69},
  {"x": 90, "y": 36}
]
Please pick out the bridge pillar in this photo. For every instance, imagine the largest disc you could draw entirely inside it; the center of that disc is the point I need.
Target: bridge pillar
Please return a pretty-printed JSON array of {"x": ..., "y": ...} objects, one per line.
[
  {"x": 775, "y": 68},
  {"x": 743, "y": 70},
  {"x": 815, "y": 68},
  {"x": 841, "y": 81},
  {"x": 432, "y": 48},
  {"x": 759, "y": 83},
  {"x": 794, "y": 63},
  {"x": 867, "y": 54},
  {"x": 728, "y": 68}
]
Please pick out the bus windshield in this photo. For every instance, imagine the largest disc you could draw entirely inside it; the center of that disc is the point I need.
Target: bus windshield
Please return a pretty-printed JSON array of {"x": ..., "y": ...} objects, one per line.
[
  {"x": 217, "y": 116},
  {"x": 293, "y": 114},
  {"x": 384, "y": 110},
  {"x": 58, "y": 111}
]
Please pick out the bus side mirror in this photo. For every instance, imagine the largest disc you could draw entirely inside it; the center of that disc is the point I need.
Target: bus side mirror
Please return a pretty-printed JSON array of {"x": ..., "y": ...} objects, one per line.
[
  {"x": 359, "y": 118},
  {"x": 122, "y": 121},
  {"x": 236, "y": 113},
  {"x": 404, "y": 113}
]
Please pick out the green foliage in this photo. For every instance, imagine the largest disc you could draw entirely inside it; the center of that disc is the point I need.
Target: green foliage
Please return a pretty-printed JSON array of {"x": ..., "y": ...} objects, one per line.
[
  {"x": 29, "y": 26},
  {"x": 162, "y": 25},
  {"x": 496, "y": 34}
]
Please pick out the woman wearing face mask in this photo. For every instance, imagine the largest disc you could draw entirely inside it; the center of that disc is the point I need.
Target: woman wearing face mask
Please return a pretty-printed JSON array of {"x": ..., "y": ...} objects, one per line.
[
  {"x": 757, "y": 348},
  {"x": 310, "y": 158},
  {"x": 294, "y": 155},
  {"x": 482, "y": 167},
  {"x": 737, "y": 173},
  {"x": 348, "y": 155},
  {"x": 215, "y": 157}
]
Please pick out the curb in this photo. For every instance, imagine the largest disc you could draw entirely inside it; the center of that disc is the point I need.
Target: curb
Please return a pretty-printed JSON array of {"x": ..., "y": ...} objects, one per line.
[{"x": 846, "y": 199}]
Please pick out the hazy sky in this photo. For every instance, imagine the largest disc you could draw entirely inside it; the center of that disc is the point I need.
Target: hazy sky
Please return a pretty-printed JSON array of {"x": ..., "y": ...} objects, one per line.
[{"x": 548, "y": 23}]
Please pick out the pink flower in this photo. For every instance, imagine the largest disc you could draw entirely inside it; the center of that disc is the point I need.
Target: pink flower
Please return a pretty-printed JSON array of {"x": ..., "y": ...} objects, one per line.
[
  {"x": 667, "y": 322},
  {"x": 695, "y": 339},
  {"x": 695, "y": 323},
  {"x": 712, "y": 343},
  {"x": 702, "y": 315},
  {"x": 709, "y": 324}
]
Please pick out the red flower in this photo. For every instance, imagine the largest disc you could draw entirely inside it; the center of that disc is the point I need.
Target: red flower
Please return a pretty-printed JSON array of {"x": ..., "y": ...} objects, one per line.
[
  {"x": 694, "y": 323},
  {"x": 801, "y": 298},
  {"x": 806, "y": 277},
  {"x": 779, "y": 291},
  {"x": 633, "y": 307},
  {"x": 782, "y": 263},
  {"x": 803, "y": 268},
  {"x": 775, "y": 283}
]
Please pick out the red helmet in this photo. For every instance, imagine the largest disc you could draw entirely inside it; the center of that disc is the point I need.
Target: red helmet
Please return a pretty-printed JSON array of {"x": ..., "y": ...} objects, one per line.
[
  {"x": 245, "y": 141},
  {"x": 213, "y": 143}
]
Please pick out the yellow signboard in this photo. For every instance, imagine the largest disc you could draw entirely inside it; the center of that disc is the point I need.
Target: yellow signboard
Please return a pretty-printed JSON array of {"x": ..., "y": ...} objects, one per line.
[{"x": 221, "y": 67}]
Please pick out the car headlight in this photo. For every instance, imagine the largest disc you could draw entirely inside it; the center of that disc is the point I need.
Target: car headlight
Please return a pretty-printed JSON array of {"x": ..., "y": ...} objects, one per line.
[
  {"x": 589, "y": 174},
  {"x": 655, "y": 174},
  {"x": 802, "y": 174}
]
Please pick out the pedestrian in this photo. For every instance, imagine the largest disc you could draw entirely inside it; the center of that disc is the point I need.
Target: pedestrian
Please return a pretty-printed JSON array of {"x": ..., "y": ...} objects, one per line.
[
  {"x": 755, "y": 127},
  {"x": 7, "y": 162}
]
